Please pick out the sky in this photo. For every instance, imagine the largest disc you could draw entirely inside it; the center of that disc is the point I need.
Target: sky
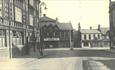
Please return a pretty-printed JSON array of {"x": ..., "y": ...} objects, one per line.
[{"x": 87, "y": 12}]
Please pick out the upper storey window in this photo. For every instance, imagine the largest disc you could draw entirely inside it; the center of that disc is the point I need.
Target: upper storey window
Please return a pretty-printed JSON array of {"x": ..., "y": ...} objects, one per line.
[
  {"x": 0, "y": 7},
  {"x": 31, "y": 2},
  {"x": 84, "y": 36}
]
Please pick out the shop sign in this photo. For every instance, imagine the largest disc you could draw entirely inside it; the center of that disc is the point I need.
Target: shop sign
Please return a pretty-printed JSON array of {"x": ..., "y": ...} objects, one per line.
[{"x": 51, "y": 39}]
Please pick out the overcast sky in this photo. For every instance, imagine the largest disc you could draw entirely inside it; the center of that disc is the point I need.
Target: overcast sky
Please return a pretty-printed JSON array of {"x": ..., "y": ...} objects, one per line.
[{"x": 87, "y": 12}]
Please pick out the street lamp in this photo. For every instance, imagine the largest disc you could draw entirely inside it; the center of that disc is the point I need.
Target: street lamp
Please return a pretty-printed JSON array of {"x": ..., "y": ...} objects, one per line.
[
  {"x": 44, "y": 5},
  {"x": 110, "y": 33},
  {"x": 10, "y": 45}
]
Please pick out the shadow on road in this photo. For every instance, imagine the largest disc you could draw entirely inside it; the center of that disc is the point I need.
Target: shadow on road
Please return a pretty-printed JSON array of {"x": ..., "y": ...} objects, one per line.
[
  {"x": 78, "y": 53},
  {"x": 109, "y": 63},
  {"x": 74, "y": 53}
]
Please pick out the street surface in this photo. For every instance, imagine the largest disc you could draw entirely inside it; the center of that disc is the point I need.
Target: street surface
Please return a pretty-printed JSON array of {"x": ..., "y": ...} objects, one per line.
[{"x": 63, "y": 59}]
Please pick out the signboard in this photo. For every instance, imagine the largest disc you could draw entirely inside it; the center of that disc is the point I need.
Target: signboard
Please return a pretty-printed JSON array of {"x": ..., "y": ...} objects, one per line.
[
  {"x": 51, "y": 39},
  {"x": 18, "y": 14}
]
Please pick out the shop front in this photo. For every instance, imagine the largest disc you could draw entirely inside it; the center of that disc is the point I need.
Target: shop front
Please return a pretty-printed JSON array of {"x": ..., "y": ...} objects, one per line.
[{"x": 51, "y": 42}]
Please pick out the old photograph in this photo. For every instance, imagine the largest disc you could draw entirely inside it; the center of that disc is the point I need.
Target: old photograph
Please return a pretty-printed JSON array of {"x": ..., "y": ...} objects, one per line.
[{"x": 57, "y": 34}]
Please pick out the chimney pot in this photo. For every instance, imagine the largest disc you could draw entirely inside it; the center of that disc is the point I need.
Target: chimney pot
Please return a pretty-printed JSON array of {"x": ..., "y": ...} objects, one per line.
[
  {"x": 90, "y": 28},
  {"x": 44, "y": 15}
]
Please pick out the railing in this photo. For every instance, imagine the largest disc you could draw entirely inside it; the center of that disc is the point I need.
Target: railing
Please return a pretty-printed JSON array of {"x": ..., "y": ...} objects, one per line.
[
  {"x": 6, "y": 22},
  {"x": 19, "y": 25}
]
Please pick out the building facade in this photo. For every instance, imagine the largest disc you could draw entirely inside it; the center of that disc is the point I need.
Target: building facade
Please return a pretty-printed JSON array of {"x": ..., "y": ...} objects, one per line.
[
  {"x": 92, "y": 38},
  {"x": 18, "y": 19},
  {"x": 55, "y": 34}
]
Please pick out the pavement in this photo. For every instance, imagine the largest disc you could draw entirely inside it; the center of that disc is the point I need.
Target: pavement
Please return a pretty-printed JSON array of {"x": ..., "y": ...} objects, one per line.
[{"x": 41, "y": 64}]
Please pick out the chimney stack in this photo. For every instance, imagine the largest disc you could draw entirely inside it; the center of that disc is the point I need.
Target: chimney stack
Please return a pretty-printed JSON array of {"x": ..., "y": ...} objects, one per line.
[
  {"x": 56, "y": 19},
  {"x": 90, "y": 28},
  {"x": 99, "y": 26},
  {"x": 79, "y": 27},
  {"x": 44, "y": 15}
]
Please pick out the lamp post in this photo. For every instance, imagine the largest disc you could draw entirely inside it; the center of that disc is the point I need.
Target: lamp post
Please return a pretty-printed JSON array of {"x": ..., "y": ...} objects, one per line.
[
  {"x": 110, "y": 33},
  {"x": 41, "y": 4},
  {"x": 10, "y": 46},
  {"x": 44, "y": 5}
]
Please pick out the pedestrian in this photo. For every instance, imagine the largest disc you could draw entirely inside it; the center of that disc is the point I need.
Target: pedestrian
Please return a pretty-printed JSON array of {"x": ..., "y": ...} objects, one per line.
[{"x": 41, "y": 50}]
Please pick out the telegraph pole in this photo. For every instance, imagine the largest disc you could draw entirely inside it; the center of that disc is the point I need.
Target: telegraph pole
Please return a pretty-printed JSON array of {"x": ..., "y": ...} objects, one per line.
[
  {"x": 10, "y": 48},
  {"x": 110, "y": 32}
]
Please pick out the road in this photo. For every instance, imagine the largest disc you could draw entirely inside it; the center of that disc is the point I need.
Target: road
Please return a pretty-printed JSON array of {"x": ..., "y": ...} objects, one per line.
[{"x": 64, "y": 59}]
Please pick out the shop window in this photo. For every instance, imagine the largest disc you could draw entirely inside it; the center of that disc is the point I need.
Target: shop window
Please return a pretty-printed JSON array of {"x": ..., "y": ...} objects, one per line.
[{"x": 62, "y": 34}]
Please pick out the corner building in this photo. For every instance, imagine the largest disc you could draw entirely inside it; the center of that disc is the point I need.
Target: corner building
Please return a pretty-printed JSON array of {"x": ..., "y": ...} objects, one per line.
[{"x": 18, "y": 19}]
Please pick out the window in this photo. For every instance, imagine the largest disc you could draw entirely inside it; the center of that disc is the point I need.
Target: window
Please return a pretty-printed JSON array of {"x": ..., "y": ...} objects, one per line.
[
  {"x": 89, "y": 36},
  {"x": 31, "y": 2},
  {"x": 47, "y": 34},
  {"x": 2, "y": 38},
  {"x": 94, "y": 36},
  {"x": 54, "y": 34},
  {"x": 98, "y": 36},
  {"x": 84, "y": 37},
  {"x": 31, "y": 19},
  {"x": 1, "y": 32},
  {"x": 0, "y": 7},
  {"x": 85, "y": 43}
]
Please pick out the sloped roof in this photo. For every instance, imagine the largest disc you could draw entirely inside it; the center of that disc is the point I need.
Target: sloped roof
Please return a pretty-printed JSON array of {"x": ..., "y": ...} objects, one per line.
[
  {"x": 47, "y": 24},
  {"x": 61, "y": 26},
  {"x": 49, "y": 21},
  {"x": 45, "y": 19},
  {"x": 104, "y": 30},
  {"x": 65, "y": 26},
  {"x": 89, "y": 31}
]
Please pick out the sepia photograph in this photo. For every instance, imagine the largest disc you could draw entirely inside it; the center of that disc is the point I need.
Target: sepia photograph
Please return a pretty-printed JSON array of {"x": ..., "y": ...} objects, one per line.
[{"x": 57, "y": 34}]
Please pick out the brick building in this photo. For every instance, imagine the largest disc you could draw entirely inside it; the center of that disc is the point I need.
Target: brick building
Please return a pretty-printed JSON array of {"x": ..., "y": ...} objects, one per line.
[
  {"x": 92, "y": 38},
  {"x": 55, "y": 34},
  {"x": 18, "y": 19}
]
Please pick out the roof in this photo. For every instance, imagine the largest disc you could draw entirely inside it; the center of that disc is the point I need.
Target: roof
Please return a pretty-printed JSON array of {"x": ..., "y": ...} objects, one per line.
[
  {"x": 65, "y": 26},
  {"x": 104, "y": 30},
  {"x": 89, "y": 31},
  {"x": 47, "y": 24},
  {"x": 49, "y": 21},
  {"x": 45, "y": 19}
]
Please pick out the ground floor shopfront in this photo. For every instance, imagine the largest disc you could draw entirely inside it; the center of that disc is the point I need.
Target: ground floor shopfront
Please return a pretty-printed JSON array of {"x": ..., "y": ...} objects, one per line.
[
  {"x": 91, "y": 44},
  {"x": 56, "y": 44},
  {"x": 13, "y": 41}
]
